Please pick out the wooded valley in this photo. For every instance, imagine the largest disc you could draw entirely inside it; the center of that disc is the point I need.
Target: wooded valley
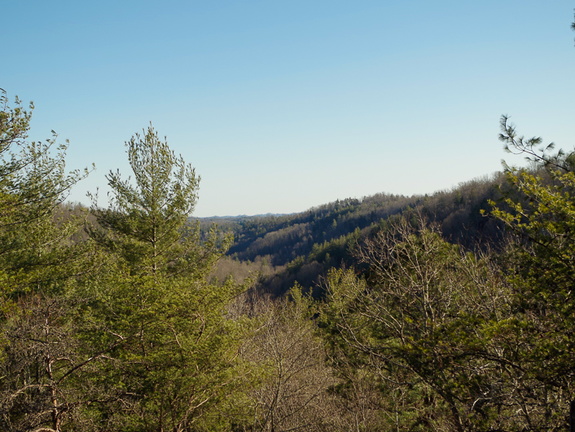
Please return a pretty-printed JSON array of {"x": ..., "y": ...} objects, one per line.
[{"x": 445, "y": 312}]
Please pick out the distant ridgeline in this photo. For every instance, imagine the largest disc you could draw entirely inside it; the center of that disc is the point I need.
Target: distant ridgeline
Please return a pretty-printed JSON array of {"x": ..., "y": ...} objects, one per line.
[{"x": 301, "y": 247}]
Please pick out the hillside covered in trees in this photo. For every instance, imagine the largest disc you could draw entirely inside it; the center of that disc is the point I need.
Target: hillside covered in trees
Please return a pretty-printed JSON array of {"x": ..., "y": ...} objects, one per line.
[{"x": 301, "y": 248}]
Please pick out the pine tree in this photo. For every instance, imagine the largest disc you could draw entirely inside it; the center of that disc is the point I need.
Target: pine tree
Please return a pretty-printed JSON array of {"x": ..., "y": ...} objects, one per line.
[
  {"x": 540, "y": 268},
  {"x": 38, "y": 265},
  {"x": 33, "y": 185},
  {"x": 175, "y": 364},
  {"x": 147, "y": 223}
]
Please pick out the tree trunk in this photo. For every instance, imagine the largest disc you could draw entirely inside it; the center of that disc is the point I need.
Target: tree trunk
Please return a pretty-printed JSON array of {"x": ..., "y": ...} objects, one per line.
[{"x": 572, "y": 416}]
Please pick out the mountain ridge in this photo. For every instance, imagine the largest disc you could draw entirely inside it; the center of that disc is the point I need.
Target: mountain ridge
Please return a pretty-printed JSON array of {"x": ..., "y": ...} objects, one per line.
[{"x": 301, "y": 247}]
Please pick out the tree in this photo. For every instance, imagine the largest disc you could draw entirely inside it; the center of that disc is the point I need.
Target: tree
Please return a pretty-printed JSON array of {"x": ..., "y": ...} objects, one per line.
[
  {"x": 147, "y": 223},
  {"x": 38, "y": 262},
  {"x": 33, "y": 184},
  {"x": 422, "y": 326},
  {"x": 541, "y": 269},
  {"x": 175, "y": 364},
  {"x": 293, "y": 393}
]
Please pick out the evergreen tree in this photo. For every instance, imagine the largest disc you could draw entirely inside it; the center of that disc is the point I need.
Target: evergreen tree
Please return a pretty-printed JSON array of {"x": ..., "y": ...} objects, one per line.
[
  {"x": 147, "y": 223},
  {"x": 33, "y": 185},
  {"x": 38, "y": 264},
  {"x": 540, "y": 268},
  {"x": 174, "y": 365}
]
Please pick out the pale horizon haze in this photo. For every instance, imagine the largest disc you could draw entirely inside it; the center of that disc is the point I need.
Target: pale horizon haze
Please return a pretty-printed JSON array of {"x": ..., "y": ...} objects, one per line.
[{"x": 285, "y": 105}]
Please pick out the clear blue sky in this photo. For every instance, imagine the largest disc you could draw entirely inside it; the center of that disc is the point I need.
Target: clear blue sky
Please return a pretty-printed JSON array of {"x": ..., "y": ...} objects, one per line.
[{"x": 284, "y": 105}]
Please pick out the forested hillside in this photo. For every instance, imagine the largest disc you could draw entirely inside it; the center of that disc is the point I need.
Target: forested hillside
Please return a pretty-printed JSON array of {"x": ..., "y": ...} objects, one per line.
[{"x": 301, "y": 248}]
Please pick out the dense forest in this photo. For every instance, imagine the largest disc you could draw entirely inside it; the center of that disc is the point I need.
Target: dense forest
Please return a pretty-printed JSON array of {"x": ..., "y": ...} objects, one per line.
[
  {"x": 301, "y": 248},
  {"x": 449, "y": 312}
]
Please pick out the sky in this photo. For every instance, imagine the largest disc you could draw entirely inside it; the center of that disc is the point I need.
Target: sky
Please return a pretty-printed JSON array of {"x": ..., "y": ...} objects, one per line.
[{"x": 285, "y": 105}]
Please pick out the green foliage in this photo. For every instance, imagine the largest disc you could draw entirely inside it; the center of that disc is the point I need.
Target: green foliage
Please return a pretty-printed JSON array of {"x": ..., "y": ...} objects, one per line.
[
  {"x": 33, "y": 183},
  {"x": 146, "y": 223},
  {"x": 132, "y": 328},
  {"x": 174, "y": 357},
  {"x": 540, "y": 268},
  {"x": 171, "y": 361},
  {"x": 38, "y": 265},
  {"x": 421, "y": 325}
]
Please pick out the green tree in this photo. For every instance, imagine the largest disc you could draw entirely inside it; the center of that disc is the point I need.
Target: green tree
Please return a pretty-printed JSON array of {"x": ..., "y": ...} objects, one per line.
[
  {"x": 33, "y": 185},
  {"x": 420, "y": 327},
  {"x": 540, "y": 268},
  {"x": 38, "y": 265},
  {"x": 147, "y": 223},
  {"x": 175, "y": 362}
]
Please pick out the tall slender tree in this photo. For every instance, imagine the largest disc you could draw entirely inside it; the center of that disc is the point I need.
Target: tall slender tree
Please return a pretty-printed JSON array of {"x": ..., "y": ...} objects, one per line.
[
  {"x": 147, "y": 222},
  {"x": 33, "y": 184},
  {"x": 175, "y": 363},
  {"x": 38, "y": 262},
  {"x": 540, "y": 267}
]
